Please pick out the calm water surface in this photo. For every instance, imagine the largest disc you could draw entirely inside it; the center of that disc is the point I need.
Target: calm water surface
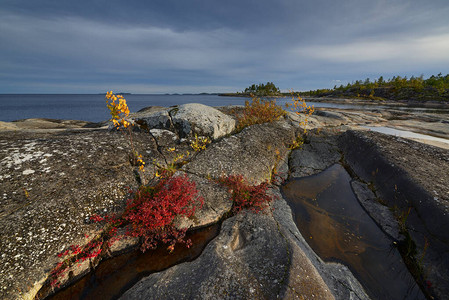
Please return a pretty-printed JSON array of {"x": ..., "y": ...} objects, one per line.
[
  {"x": 93, "y": 108},
  {"x": 337, "y": 228}
]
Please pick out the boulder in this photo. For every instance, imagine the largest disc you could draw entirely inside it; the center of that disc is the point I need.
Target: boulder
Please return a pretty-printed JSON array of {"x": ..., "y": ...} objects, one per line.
[
  {"x": 153, "y": 118},
  {"x": 200, "y": 119},
  {"x": 186, "y": 120}
]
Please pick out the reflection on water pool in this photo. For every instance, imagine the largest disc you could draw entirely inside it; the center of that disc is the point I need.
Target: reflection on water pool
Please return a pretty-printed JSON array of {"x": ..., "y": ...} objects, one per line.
[{"x": 337, "y": 228}]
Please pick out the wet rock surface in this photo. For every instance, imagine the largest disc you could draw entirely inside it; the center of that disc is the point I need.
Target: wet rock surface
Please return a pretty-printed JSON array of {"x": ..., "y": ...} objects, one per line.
[
  {"x": 338, "y": 278},
  {"x": 381, "y": 214}
]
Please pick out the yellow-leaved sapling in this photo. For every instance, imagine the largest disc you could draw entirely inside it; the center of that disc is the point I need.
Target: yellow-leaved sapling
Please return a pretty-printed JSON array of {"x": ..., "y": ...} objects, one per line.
[
  {"x": 199, "y": 143},
  {"x": 119, "y": 113},
  {"x": 300, "y": 107}
]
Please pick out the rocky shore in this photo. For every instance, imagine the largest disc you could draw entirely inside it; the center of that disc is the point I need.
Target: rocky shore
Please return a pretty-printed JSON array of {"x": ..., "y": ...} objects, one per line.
[{"x": 55, "y": 174}]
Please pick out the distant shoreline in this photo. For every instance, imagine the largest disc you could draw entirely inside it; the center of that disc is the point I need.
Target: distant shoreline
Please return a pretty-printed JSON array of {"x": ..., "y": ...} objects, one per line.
[{"x": 352, "y": 99}]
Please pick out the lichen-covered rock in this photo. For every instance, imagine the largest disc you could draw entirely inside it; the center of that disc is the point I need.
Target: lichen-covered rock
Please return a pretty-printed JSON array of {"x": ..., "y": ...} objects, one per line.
[
  {"x": 200, "y": 119},
  {"x": 51, "y": 183},
  {"x": 165, "y": 138},
  {"x": 252, "y": 153}
]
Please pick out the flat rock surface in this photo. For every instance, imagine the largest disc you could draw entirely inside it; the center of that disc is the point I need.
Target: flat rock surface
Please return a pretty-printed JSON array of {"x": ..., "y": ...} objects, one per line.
[
  {"x": 252, "y": 153},
  {"x": 426, "y": 165}
]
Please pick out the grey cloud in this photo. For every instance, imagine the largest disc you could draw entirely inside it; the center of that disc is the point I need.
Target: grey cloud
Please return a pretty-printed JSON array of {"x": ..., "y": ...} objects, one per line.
[{"x": 230, "y": 44}]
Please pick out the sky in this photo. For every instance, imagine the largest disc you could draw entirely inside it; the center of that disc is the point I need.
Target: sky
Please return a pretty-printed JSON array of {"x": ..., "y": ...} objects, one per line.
[{"x": 167, "y": 46}]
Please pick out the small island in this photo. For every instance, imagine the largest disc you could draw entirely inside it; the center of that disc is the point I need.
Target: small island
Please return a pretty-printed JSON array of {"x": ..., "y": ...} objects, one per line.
[{"x": 258, "y": 90}]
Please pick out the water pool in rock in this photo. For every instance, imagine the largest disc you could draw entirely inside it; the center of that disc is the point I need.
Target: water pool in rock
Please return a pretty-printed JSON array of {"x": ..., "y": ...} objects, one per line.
[
  {"x": 337, "y": 228},
  {"x": 112, "y": 277}
]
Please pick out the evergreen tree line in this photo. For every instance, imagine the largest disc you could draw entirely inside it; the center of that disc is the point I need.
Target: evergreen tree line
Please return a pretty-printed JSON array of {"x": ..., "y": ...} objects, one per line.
[
  {"x": 396, "y": 87},
  {"x": 439, "y": 82},
  {"x": 268, "y": 89}
]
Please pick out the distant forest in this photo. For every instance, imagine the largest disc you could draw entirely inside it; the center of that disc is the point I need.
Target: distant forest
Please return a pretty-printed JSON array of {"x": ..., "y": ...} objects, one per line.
[{"x": 396, "y": 88}]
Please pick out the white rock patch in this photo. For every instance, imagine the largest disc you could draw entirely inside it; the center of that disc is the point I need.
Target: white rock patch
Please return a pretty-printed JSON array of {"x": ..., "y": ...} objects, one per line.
[{"x": 28, "y": 172}]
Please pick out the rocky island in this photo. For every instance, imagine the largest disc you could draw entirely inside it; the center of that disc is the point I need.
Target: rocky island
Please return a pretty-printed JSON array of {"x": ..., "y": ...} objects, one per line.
[{"x": 55, "y": 175}]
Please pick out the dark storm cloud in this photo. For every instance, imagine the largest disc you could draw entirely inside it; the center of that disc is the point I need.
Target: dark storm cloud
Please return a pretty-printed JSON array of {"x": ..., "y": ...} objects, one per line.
[{"x": 194, "y": 46}]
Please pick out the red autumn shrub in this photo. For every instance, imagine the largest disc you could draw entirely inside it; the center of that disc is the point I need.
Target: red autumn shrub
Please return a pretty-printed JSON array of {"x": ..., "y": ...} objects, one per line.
[
  {"x": 151, "y": 212},
  {"x": 244, "y": 195},
  {"x": 149, "y": 215}
]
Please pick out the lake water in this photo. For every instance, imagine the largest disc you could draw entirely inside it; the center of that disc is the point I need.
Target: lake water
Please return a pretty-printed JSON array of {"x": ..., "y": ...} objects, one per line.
[{"x": 93, "y": 107}]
